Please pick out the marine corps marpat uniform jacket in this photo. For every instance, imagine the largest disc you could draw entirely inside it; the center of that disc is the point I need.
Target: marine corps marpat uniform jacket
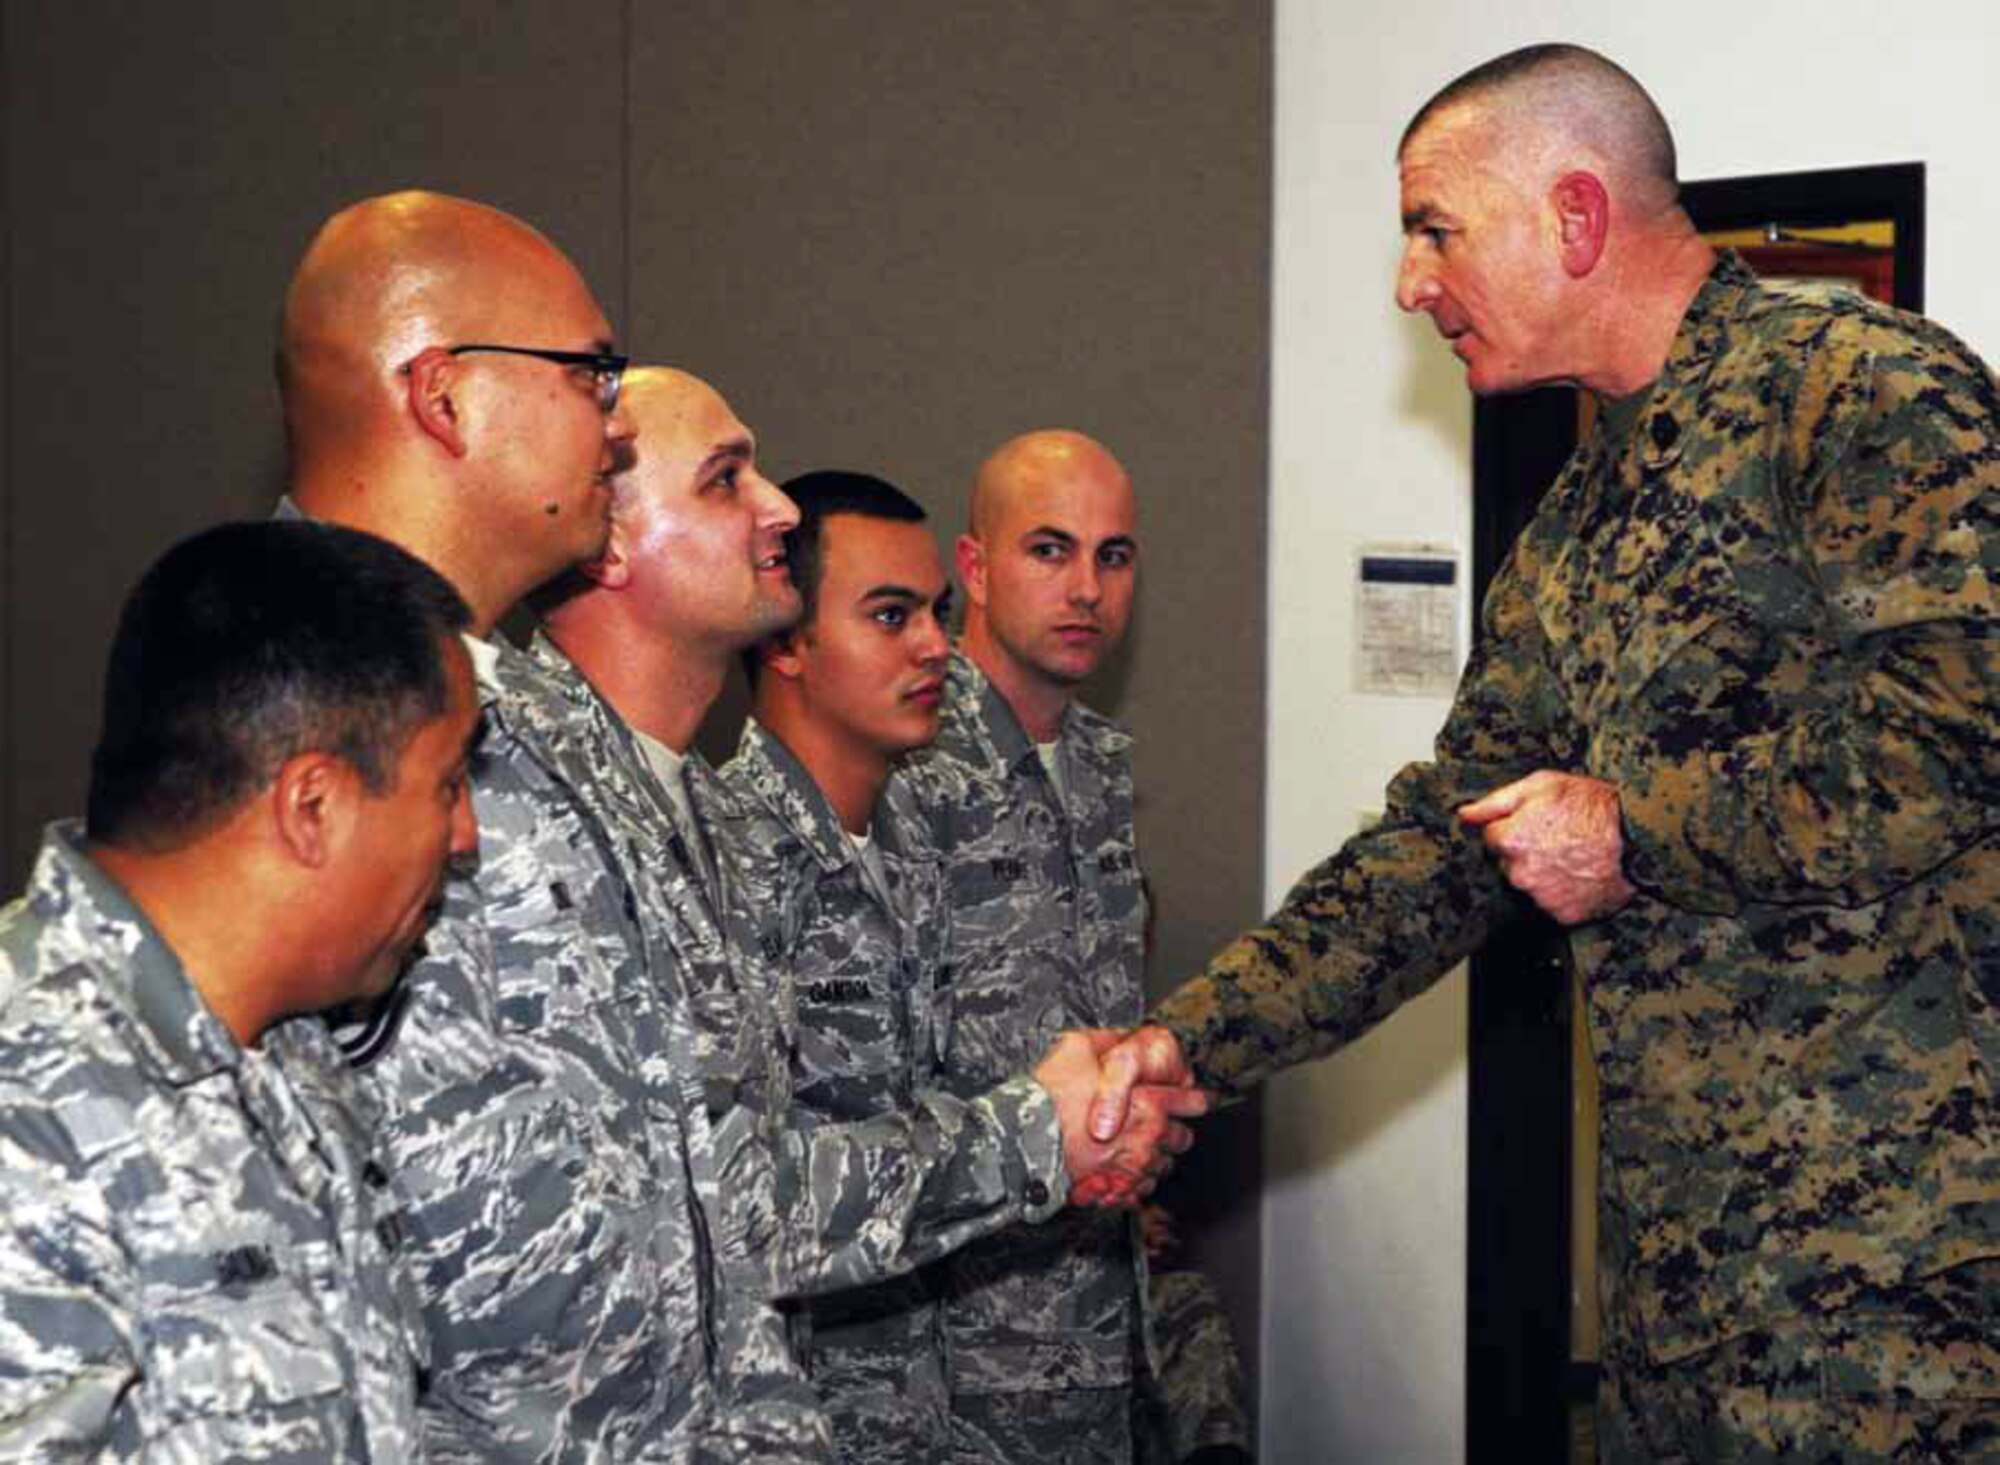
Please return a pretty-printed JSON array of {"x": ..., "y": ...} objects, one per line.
[
  {"x": 1768, "y": 618},
  {"x": 1047, "y": 932},
  {"x": 857, "y": 973},
  {"x": 196, "y": 1250},
  {"x": 586, "y": 1207}
]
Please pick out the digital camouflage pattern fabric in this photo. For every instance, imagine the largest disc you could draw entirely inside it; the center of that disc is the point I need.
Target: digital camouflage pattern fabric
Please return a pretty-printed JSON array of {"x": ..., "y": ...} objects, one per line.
[
  {"x": 860, "y": 989},
  {"x": 592, "y": 1255},
  {"x": 1047, "y": 932},
  {"x": 1767, "y": 616},
  {"x": 1884, "y": 1381},
  {"x": 198, "y": 1253},
  {"x": 1193, "y": 1398}
]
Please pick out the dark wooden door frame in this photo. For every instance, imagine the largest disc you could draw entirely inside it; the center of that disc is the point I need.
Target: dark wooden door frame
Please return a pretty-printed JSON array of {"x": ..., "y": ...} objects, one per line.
[{"x": 1519, "y": 1085}]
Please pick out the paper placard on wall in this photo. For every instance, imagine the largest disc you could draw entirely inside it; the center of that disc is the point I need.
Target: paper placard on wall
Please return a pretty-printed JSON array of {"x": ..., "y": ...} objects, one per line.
[{"x": 1406, "y": 621}]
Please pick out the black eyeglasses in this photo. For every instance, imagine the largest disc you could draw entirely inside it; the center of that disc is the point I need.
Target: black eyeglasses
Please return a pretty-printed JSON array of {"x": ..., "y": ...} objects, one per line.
[{"x": 606, "y": 366}]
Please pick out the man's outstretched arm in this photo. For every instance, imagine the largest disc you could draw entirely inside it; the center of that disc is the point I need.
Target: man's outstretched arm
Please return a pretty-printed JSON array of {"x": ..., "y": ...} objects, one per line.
[{"x": 872, "y": 1198}]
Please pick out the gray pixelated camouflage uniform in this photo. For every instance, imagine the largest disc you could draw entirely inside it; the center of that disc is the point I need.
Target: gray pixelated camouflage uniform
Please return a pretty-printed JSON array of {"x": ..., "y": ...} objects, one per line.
[
  {"x": 594, "y": 1288},
  {"x": 1047, "y": 933},
  {"x": 196, "y": 1249},
  {"x": 858, "y": 985},
  {"x": 1766, "y": 615},
  {"x": 1193, "y": 1398}
]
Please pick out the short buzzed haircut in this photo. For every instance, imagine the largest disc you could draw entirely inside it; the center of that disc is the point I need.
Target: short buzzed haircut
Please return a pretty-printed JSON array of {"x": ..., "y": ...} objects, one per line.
[
  {"x": 820, "y": 495},
  {"x": 248, "y": 644},
  {"x": 1643, "y": 141}
]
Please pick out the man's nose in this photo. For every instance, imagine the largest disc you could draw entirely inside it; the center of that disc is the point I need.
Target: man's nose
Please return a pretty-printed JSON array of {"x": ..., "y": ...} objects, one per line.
[
  {"x": 933, "y": 642},
  {"x": 464, "y": 826},
  {"x": 1086, "y": 584},
  {"x": 618, "y": 424},
  {"x": 1416, "y": 281},
  {"x": 775, "y": 507}
]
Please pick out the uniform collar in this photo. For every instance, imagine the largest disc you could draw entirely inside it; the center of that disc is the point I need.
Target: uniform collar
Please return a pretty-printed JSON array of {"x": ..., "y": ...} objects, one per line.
[
  {"x": 104, "y": 930},
  {"x": 784, "y": 786},
  {"x": 485, "y": 657},
  {"x": 1697, "y": 345},
  {"x": 979, "y": 705},
  {"x": 573, "y": 728}
]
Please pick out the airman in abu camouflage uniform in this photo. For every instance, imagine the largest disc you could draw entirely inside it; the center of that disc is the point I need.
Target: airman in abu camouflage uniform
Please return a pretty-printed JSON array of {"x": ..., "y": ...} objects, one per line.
[
  {"x": 856, "y": 957},
  {"x": 199, "y": 1259},
  {"x": 1031, "y": 797},
  {"x": 852, "y": 908},
  {"x": 1732, "y": 719},
  {"x": 599, "y": 1190},
  {"x": 540, "y": 1100},
  {"x": 835, "y": 854}
]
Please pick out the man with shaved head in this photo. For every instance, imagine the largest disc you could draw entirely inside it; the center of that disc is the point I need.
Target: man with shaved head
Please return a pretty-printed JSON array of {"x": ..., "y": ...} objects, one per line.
[
  {"x": 1031, "y": 795},
  {"x": 1731, "y": 721},
  {"x": 449, "y": 384}
]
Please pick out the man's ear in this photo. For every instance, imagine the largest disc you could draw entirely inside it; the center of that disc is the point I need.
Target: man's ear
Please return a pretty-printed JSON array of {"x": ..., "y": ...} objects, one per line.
[
  {"x": 1583, "y": 219},
  {"x": 433, "y": 401},
  {"x": 779, "y": 655},
  {"x": 312, "y": 798},
  {"x": 969, "y": 555}
]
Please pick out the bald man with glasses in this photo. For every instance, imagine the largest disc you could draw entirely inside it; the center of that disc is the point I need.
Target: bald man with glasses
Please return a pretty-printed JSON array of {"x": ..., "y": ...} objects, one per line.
[{"x": 450, "y": 384}]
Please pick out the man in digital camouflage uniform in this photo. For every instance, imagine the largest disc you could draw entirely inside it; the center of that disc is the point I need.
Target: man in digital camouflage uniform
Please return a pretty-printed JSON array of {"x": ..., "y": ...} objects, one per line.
[
  {"x": 448, "y": 383},
  {"x": 1732, "y": 721},
  {"x": 1031, "y": 795},
  {"x": 836, "y": 854},
  {"x": 197, "y": 1246}
]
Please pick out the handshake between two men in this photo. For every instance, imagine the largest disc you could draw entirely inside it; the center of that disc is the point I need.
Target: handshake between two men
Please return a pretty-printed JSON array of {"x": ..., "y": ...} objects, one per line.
[
  {"x": 1121, "y": 1095},
  {"x": 1120, "y": 1098}
]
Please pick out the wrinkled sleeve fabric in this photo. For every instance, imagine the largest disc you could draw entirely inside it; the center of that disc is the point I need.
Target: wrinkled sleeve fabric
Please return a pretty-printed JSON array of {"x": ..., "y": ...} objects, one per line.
[
  {"x": 872, "y": 1198},
  {"x": 1889, "y": 467},
  {"x": 66, "y": 1357}
]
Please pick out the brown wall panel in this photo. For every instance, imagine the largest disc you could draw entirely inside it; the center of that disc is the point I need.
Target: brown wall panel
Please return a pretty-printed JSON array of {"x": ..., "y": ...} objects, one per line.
[
  {"x": 167, "y": 165},
  {"x": 895, "y": 232}
]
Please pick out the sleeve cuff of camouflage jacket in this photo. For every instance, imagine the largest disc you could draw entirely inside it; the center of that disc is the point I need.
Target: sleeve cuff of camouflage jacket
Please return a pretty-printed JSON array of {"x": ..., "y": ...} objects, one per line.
[
  {"x": 1036, "y": 1175},
  {"x": 1181, "y": 1012}
]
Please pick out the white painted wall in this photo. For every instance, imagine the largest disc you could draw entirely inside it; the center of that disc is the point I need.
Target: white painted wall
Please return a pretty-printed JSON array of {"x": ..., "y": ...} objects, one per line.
[{"x": 1364, "y": 1212}]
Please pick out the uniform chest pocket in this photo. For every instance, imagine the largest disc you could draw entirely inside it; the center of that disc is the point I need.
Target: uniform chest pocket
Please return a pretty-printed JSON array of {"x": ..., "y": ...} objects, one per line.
[
  {"x": 239, "y": 1348},
  {"x": 1003, "y": 899},
  {"x": 556, "y": 959},
  {"x": 852, "y": 1037},
  {"x": 1616, "y": 614}
]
